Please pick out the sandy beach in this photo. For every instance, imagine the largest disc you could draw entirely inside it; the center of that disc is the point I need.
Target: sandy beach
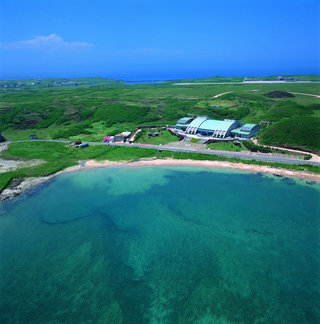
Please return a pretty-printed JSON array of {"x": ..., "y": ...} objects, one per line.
[
  {"x": 207, "y": 164},
  {"x": 26, "y": 184}
]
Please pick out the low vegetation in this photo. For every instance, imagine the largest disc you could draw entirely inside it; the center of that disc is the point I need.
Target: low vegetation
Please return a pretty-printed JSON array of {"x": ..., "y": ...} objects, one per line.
[
  {"x": 164, "y": 137},
  {"x": 256, "y": 148},
  {"x": 278, "y": 94},
  {"x": 59, "y": 156},
  {"x": 303, "y": 132},
  {"x": 89, "y": 112},
  {"x": 226, "y": 146},
  {"x": 287, "y": 109}
]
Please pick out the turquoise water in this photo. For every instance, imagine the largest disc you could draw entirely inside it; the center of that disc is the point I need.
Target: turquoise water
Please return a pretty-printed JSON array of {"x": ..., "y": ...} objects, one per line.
[{"x": 161, "y": 245}]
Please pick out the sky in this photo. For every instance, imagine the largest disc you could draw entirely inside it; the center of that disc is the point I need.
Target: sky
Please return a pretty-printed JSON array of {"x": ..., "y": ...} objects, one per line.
[{"x": 153, "y": 39}]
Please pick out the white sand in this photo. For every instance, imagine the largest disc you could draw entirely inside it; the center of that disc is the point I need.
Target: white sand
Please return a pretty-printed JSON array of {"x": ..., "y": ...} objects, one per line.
[
  {"x": 210, "y": 164},
  {"x": 30, "y": 182}
]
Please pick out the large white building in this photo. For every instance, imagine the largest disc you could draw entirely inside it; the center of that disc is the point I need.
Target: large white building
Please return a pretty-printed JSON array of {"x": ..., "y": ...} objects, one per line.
[{"x": 206, "y": 126}]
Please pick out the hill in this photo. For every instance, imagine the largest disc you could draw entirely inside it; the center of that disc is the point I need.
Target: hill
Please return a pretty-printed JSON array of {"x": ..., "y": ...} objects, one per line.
[
  {"x": 278, "y": 94},
  {"x": 93, "y": 110}
]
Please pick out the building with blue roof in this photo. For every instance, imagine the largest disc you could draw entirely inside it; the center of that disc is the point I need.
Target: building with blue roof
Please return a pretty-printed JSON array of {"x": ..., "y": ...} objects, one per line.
[{"x": 205, "y": 126}]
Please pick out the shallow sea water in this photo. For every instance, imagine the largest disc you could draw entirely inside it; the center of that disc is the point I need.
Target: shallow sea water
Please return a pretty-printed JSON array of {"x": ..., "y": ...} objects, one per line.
[{"x": 161, "y": 245}]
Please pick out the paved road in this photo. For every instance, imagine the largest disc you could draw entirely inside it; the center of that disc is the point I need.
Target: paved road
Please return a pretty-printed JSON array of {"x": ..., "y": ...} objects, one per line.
[{"x": 238, "y": 155}]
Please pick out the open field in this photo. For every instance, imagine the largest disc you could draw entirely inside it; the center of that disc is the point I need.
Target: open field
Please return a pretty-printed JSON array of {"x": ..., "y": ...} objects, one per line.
[
  {"x": 58, "y": 156},
  {"x": 164, "y": 137},
  {"x": 226, "y": 146},
  {"x": 89, "y": 112}
]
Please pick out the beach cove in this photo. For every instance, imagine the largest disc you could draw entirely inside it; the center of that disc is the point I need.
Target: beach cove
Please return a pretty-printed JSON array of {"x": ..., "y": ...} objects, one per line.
[
  {"x": 170, "y": 243},
  {"x": 21, "y": 186}
]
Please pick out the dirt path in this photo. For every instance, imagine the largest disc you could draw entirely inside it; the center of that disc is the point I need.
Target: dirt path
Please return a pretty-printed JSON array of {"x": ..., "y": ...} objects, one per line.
[
  {"x": 315, "y": 157},
  {"x": 297, "y": 93},
  {"x": 3, "y": 147},
  {"x": 305, "y": 94},
  {"x": 221, "y": 94},
  {"x": 11, "y": 165}
]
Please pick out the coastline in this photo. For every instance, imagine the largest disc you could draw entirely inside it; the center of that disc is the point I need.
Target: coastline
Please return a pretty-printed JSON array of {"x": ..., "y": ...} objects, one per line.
[
  {"x": 28, "y": 183},
  {"x": 90, "y": 164},
  {"x": 207, "y": 164}
]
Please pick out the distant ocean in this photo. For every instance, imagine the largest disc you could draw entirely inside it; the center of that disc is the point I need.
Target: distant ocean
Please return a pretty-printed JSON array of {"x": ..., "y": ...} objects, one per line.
[
  {"x": 161, "y": 245},
  {"x": 158, "y": 75},
  {"x": 138, "y": 76}
]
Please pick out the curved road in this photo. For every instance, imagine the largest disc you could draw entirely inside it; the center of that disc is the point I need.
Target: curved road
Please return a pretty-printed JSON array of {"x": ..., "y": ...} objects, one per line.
[{"x": 245, "y": 156}]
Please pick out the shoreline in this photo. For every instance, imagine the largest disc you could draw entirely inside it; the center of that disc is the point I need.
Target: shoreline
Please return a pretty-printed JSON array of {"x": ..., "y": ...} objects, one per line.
[
  {"x": 28, "y": 183},
  {"x": 253, "y": 168}
]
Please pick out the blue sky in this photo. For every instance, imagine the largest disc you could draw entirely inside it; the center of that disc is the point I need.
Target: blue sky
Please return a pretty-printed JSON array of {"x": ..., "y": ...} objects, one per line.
[{"x": 145, "y": 39}]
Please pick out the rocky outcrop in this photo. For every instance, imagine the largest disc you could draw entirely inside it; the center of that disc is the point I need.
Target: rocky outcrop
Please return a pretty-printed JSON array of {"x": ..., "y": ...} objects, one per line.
[{"x": 19, "y": 185}]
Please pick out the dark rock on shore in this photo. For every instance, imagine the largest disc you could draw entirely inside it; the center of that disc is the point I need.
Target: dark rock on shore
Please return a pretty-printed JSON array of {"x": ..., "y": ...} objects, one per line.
[{"x": 15, "y": 183}]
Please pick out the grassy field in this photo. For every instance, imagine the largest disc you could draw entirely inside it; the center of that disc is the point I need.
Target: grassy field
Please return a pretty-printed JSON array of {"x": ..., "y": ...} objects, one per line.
[
  {"x": 226, "y": 146},
  {"x": 164, "y": 137},
  {"x": 58, "y": 156},
  {"x": 91, "y": 111}
]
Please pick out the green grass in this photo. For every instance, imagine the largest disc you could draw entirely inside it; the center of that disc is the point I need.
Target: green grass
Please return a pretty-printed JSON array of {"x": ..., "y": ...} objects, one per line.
[
  {"x": 164, "y": 137},
  {"x": 61, "y": 152},
  {"x": 225, "y": 146},
  {"x": 5, "y": 179},
  {"x": 218, "y": 102},
  {"x": 287, "y": 109},
  {"x": 23, "y": 134},
  {"x": 90, "y": 112},
  {"x": 58, "y": 156},
  {"x": 303, "y": 133}
]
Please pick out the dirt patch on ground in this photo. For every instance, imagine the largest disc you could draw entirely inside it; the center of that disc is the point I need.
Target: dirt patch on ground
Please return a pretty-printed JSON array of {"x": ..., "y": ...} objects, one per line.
[{"x": 11, "y": 165}]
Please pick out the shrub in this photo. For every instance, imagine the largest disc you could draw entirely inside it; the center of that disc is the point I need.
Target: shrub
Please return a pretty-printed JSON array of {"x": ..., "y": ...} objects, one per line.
[
  {"x": 287, "y": 109},
  {"x": 299, "y": 132},
  {"x": 138, "y": 135},
  {"x": 256, "y": 148},
  {"x": 77, "y": 129}
]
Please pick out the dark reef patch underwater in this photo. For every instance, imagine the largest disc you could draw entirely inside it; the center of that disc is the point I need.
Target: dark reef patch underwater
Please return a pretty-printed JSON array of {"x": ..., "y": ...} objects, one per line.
[{"x": 161, "y": 245}]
